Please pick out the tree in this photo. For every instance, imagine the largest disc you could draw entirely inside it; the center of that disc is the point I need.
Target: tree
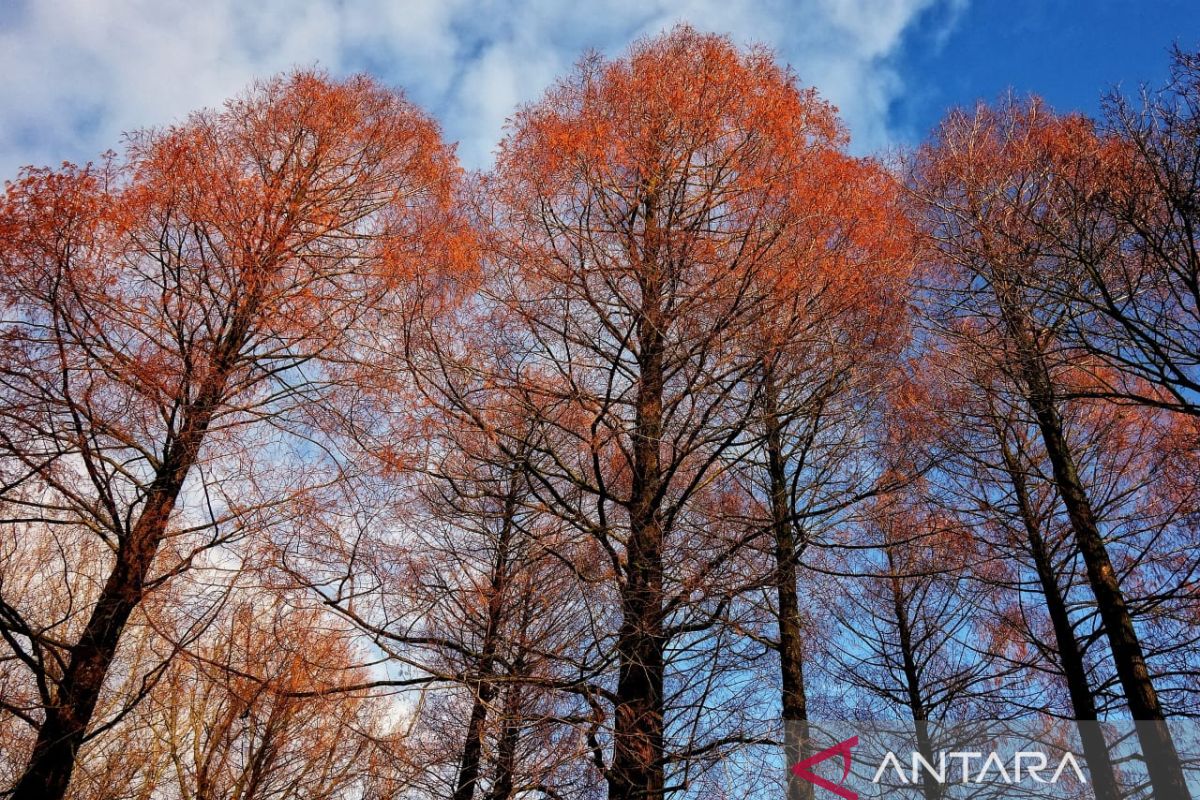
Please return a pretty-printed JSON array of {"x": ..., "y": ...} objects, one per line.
[
  {"x": 825, "y": 349},
  {"x": 990, "y": 478},
  {"x": 985, "y": 187},
  {"x": 255, "y": 711},
  {"x": 908, "y": 625},
  {"x": 639, "y": 212},
  {"x": 177, "y": 323},
  {"x": 469, "y": 589},
  {"x": 500, "y": 614},
  {"x": 1128, "y": 227}
]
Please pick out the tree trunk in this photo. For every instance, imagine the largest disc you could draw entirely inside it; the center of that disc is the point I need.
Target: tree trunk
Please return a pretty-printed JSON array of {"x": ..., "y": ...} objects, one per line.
[
  {"x": 912, "y": 684},
  {"x": 793, "y": 702},
  {"x": 48, "y": 773},
  {"x": 1083, "y": 703},
  {"x": 485, "y": 688},
  {"x": 506, "y": 752},
  {"x": 472, "y": 753},
  {"x": 1162, "y": 759},
  {"x": 1158, "y": 748},
  {"x": 637, "y": 771}
]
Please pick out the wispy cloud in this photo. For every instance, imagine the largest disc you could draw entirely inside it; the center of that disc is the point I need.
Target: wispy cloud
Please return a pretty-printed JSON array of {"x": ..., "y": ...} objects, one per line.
[{"x": 77, "y": 73}]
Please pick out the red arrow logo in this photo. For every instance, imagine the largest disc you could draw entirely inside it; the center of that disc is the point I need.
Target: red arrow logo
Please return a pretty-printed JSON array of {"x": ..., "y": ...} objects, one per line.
[{"x": 803, "y": 769}]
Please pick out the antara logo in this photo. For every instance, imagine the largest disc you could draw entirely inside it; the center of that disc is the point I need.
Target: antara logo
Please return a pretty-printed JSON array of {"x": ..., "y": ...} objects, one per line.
[
  {"x": 803, "y": 769},
  {"x": 991, "y": 768}
]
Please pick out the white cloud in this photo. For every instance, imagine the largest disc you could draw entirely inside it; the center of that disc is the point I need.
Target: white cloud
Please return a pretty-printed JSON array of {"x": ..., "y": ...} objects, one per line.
[{"x": 79, "y": 72}]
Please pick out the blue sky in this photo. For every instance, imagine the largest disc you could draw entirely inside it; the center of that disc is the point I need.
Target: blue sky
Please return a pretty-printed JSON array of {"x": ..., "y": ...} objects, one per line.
[
  {"x": 1068, "y": 52},
  {"x": 79, "y": 72}
]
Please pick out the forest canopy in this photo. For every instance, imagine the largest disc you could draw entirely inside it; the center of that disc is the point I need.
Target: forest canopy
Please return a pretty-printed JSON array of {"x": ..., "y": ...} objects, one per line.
[{"x": 329, "y": 469}]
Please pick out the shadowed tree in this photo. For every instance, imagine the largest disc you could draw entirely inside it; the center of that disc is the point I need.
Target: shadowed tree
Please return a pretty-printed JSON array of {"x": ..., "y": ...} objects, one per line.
[{"x": 986, "y": 189}]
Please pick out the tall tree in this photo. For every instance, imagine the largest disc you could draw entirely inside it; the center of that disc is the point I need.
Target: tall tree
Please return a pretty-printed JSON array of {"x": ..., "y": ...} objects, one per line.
[
  {"x": 986, "y": 187},
  {"x": 826, "y": 346},
  {"x": 639, "y": 210},
  {"x": 908, "y": 625},
  {"x": 166, "y": 309},
  {"x": 990, "y": 477},
  {"x": 501, "y": 613}
]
